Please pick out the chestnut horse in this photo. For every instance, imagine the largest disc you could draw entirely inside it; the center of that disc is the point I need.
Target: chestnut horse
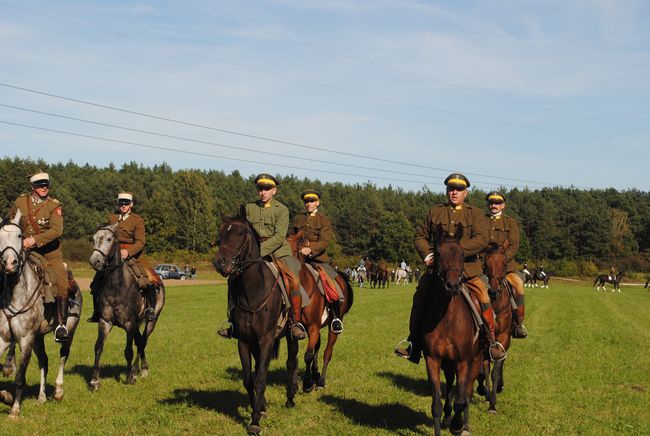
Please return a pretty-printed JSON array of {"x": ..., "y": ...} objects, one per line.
[
  {"x": 316, "y": 316},
  {"x": 257, "y": 308},
  {"x": 450, "y": 336},
  {"x": 500, "y": 294}
]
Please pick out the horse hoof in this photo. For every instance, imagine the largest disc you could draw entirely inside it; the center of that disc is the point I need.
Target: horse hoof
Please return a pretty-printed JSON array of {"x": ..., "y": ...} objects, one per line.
[
  {"x": 254, "y": 429},
  {"x": 58, "y": 393},
  {"x": 480, "y": 390},
  {"x": 264, "y": 414},
  {"x": 144, "y": 373},
  {"x": 42, "y": 399},
  {"x": 6, "y": 397},
  {"x": 321, "y": 383},
  {"x": 94, "y": 385},
  {"x": 290, "y": 404},
  {"x": 465, "y": 433},
  {"x": 14, "y": 413},
  {"x": 7, "y": 371}
]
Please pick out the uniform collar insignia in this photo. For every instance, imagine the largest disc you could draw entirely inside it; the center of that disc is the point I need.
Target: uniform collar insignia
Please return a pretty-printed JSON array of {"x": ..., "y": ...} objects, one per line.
[
  {"x": 313, "y": 213},
  {"x": 452, "y": 207},
  {"x": 124, "y": 217}
]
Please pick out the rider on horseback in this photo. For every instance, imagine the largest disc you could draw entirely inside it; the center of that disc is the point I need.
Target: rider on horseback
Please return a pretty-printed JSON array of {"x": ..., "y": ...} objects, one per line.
[
  {"x": 42, "y": 226},
  {"x": 317, "y": 234},
  {"x": 131, "y": 237},
  {"x": 270, "y": 219},
  {"x": 474, "y": 240},
  {"x": 502, "y": 227}
]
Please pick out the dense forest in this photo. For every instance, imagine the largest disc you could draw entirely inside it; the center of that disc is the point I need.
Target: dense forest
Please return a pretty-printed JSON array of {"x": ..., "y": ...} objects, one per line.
[{"x": 576, "y": 232}]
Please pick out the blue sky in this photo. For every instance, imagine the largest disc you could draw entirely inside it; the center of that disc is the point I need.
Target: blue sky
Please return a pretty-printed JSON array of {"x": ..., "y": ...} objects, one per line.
[{"x": 401, "y": 92}]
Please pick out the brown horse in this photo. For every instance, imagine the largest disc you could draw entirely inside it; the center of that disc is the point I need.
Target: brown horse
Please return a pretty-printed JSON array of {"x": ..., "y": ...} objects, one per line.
[
  {"x": 450, "y": 337},
  {"x": 256, "y": 310},
  {"x": 316, "y": 316},
  {"x": 500, "y": 294}
]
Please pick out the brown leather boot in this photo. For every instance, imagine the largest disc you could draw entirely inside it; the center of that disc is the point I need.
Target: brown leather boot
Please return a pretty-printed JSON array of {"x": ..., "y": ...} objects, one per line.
[
  {"x": 496, "y": 351},
  {"x": 61, "y": 332},
  {"x": 520, "y": 331},
  {"x": 297, "y": 329}
]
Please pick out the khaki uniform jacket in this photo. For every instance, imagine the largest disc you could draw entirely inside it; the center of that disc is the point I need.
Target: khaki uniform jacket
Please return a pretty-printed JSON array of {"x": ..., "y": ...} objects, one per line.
[
  {"x": 501, "y": 228},
  {"x": 130, "y": 233},
  {"x": 271, "y": 223},
  {"x": 316, "y": 229},
  {"x": 42, "y": 221},
  {"x": 474, "y": 240}
]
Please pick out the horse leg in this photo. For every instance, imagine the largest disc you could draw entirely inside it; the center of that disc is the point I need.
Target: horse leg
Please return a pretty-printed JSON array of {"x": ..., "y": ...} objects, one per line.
[
  {"x": 64, "y": 353},
  {"x": 309, "y": 377},
  {"x": 9, "y": 366},
  {"x": 292, "y": 369},
  {"x": 261, "y": 370},
  {"x": 5, "y": 396},
  {"x": 327, "y": 356},
  {"x": 26, "y": 345},
  {"x": 459, "y": 420},
  {"x": 245, "y": 359},
  {"x": 433, "y": 374},
  {"x": 41, "y": 355},
  {"x": 450, "y": 379},
  {"x": 141, "y": 344},
  {"x": 131, "y": 333},
  {"x": 103, "y": 329},
  {"x": 497, "y": 384}
]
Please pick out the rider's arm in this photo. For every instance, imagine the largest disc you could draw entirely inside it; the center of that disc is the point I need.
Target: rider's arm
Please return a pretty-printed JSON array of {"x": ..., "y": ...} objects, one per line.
[
  {"x": 513, "y": 238},
  {"x": 139, "y": 238},
  {"x": 423, "y": 237},
  {"x": 319, "y": 247}
]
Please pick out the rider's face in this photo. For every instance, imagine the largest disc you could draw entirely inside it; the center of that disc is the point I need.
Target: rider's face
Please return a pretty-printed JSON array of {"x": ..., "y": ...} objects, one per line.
[
  {"x": 266, "y": 193},
  {"x": 495, "y": 208},
  {"x": 311, "y": 205},
  {"x": 456, "y": 196}
]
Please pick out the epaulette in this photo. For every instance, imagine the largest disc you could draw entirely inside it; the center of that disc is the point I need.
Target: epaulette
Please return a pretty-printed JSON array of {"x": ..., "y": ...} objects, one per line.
[
  {"x": 23, "y": 195},
  {"x": 54, "y": 200}
]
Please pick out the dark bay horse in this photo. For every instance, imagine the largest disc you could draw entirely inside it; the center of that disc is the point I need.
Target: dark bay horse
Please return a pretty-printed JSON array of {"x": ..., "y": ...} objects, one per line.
[
  {"x": 25, "y": 319},
  {"x": 257, "y": 307},
  {"x": 604, "y": 278},
  {"x": 120, "y": 303},
  {"x": 450, "y": 337},
  {"x": 495, "y": 268},
  {"x": 316, "y": 316},
  {"x": 539, "y": 275}
]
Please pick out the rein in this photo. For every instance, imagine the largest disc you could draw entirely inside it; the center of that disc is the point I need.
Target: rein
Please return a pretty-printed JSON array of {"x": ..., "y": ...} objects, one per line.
[{"x": 112, "y": 254}]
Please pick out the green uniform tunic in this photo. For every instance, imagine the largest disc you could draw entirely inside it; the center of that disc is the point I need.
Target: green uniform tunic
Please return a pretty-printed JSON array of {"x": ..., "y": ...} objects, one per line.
[
  {"x": 474, "y": 240},
  {"x": 499, "y": 229},
  {"x": 271, "y": 223}
]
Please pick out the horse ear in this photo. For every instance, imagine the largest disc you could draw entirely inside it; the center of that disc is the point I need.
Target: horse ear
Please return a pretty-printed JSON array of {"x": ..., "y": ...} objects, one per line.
[
  {"x": 16, "y": 219},
  {"x": 114, "y": 227},
  {"x": 440, "y": 232},
  {"x": 459, "y": 232},
  {"x": 242, "y": 212}
]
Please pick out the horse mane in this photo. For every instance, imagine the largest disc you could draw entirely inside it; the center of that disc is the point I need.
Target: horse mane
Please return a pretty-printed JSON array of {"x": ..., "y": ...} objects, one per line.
[{"x": 248, "y": 224}]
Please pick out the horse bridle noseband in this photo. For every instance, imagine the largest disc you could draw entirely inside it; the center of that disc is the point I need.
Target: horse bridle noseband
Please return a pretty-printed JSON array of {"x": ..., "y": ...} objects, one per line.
[
  {"x": 21, "y": 258},
  {"x": 237, "y": 262},
  {"x": 107, "y": 256}
]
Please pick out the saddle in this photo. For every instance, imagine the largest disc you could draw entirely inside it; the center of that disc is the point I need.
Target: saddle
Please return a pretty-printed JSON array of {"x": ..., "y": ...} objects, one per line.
[
  {"x": 326, "y": 285},
  {"x": 40, "y": 265},
  {"x": 143, "y": 275}
]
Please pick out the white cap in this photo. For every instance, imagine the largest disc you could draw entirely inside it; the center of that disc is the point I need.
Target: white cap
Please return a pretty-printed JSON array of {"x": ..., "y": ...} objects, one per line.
[
  {"x": 125, "y": 196},
  {"x": 38, "y": 177}
]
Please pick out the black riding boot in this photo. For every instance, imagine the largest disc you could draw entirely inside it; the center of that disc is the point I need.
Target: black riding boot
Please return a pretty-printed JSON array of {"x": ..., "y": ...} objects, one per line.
[
  {"x": 337, "y": 324},
  {"x": 151, "y": 295},
  {"x": 94, "y": 291},
  {"x": 227, "y": 329},
  {"x": 61, "y": 332}
]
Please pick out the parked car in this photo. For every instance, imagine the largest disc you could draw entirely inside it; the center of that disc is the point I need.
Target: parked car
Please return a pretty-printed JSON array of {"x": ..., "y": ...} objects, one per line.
[{"x": 169, "y": 271}]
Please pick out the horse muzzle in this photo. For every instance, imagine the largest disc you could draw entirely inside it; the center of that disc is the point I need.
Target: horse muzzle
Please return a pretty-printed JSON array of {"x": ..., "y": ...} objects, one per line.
[
  {"x": 223, "y": 266},
  {"x": 97, "y": 261}
]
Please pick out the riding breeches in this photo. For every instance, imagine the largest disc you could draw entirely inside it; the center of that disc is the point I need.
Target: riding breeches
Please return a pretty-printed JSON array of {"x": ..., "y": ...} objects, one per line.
[
  {"x": 57, "y": 273},
  {"x": 517, "y": 286},
  {"x": 479, "y": 289},
  {"x": 295, "y": 266}
]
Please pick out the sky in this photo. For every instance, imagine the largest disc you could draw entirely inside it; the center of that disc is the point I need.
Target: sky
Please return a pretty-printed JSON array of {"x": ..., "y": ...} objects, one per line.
[{"x": 388, "y": 92}]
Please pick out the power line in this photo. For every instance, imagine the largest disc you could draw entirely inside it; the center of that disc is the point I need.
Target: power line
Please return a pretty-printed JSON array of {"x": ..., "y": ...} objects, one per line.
[
  {"x": 262, "y": 138},
  {"x": 291, "y": 77}
]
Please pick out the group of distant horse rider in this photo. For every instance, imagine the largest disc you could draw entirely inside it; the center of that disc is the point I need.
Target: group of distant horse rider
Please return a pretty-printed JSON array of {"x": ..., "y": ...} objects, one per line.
[
  {"x": 479, "y": 230},
  {"x": 42, "y": 226},
  {"x": 270, "y": 219}
]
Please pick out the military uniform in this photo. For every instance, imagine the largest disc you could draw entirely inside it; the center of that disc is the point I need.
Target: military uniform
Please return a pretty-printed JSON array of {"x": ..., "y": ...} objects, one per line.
[
  {"x": 502, "y": 227},
  {"x": 474, "y": 240},
  {"x": 130, "y": 232}
]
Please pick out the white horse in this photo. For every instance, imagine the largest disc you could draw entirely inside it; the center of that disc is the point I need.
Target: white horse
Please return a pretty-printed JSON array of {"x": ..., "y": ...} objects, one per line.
[
  {"x": 23, "y": 319},
  {"x": 401, "y": 274}
]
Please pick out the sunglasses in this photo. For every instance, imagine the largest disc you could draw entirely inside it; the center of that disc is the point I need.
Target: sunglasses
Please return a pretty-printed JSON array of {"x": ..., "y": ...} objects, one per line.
[
  {"x": 495, "y": 202},
  {"x": 124, "y": 203},
  {"x": 44, "y": 185},
  {"x": 264, "y": 188},
  {"x": 455, "y": 188},
  {"x": 310, "y": 201}
]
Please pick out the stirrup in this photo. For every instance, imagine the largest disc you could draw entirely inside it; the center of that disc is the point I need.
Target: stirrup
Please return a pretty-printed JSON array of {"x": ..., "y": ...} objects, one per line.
[
  {"x": 497, "y": 345},
  {"x": 301, "y": 328},
  {"x": 338, "y": 322},
  {"x": 520, "y": 332},
  {"x": 64, "y": 337},
  {"x": 226, "y": 330},
  {"x": 404, "y": 349}
]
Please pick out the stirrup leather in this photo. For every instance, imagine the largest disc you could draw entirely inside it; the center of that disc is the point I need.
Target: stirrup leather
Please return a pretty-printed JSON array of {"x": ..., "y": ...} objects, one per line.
[
  {"x": 497, "y": 344},
  {"x": 405, "y": 345}
]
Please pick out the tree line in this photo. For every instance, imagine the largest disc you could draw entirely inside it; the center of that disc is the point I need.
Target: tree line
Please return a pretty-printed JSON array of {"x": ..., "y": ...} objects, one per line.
[{"x": 576, "y": 230}]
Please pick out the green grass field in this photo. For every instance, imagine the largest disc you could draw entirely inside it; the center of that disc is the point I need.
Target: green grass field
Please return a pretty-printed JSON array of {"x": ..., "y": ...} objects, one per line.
[{"x": 583, "y": 370}]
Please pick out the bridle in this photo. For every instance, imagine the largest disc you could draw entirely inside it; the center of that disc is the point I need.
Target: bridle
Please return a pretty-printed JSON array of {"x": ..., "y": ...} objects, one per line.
[
  {"x": 112, "y": 251},
  {"x": 20, "y": 255},
  {"x": 238, "y": 262}
]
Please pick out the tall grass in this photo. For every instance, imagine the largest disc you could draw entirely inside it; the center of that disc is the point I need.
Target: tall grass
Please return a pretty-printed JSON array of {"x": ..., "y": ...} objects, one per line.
[{"x": 582, "y": 370}]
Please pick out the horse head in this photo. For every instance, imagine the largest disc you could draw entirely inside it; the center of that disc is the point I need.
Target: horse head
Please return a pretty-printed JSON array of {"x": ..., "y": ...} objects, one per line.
[
  {"x": 105, "y": 243},
  {"x": 450, "y": 258},
  {"x": 239, "y": 243},
  {"x": 11, "y": 244},
  {"x": 495, "y": 264},
  {"x": 296, "y": 243}
]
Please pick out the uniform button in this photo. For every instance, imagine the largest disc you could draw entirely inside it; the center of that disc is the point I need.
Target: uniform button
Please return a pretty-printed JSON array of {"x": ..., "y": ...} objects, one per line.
[{"x": 452, "y": 222}]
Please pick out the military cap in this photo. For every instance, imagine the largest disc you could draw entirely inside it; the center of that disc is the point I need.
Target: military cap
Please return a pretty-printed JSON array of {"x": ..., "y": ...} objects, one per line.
[
  {"x": 40, "y": 179},
  {"x": 457, "y": 180},
  {"x": 495, "y": 197},
  {"x": 310, "y": 194},
  {"x": 265, "y": 179},
  {"x": 124, "y": 197}
]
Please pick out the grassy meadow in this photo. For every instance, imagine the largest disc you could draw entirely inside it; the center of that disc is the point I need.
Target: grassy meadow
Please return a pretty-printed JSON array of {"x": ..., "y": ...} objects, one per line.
[{"x": 583, "y": 370}]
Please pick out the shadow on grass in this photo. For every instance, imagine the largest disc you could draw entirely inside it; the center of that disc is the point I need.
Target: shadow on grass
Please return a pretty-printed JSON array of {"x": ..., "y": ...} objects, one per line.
[
  {"x": 416, "y": 385},
  {"x": 393, "y": 417},
  {"x": 116, "y": 372},
  {"x": 226, "y": 402}
]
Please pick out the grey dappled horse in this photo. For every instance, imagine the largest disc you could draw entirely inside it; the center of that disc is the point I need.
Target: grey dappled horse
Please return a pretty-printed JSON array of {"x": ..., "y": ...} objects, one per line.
[
  {"x": 120, "y": 303},
  {"x": 25, "y": 319}
]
